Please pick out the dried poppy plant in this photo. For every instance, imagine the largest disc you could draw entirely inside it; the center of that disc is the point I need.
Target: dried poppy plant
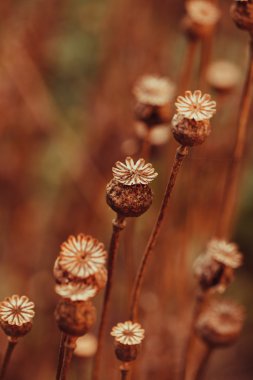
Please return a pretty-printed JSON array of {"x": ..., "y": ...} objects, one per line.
[
  {"x": 198, "y": 25},
  {"x": 16, "y": 319},
  {"x": 218, "y": 326},
  {"x": 129, "y": 195},
  {"x": 128, "y": 337},
  {"x": 153, "y": 95},
  {"x": 214, "y": 271},
  {"x": 80, "y": 273},
  {"x": 190, "y": 127},
  {"x": 242, "y": 15}
]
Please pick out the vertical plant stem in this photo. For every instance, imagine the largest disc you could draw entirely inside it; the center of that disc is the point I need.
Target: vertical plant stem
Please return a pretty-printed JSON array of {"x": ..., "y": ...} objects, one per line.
[
  {"x": 233, "y": 176},
  {"x": 199, "y": 302},
  {"x": 69, "y": 347},
  {"x": 124, "y": 371},
  {"x": 206, "y": 51},
  {"x": 188, "y": 65},
  {"x": 145, "y": 150},
  {"x": 7, "y": 357},
  {"x": 182, "y": 151},
  {"x": 61, "y": 355},
  {"x": 118, "y": 226},
  {"x": 203, "y": 363}
]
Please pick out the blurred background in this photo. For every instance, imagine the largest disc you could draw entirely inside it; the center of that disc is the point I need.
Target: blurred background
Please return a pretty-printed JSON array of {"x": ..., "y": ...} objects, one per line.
[{"x": 67, "y": 69}]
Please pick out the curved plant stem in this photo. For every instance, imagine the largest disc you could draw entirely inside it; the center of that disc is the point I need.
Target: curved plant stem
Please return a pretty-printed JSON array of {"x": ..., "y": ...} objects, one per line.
[
  {"x": 182, "y": 151},
  {"x": 203, "y": 363},
  {"x": 188, "y": 65},
  {"x": 233, "y": 176},
  {"x": 198, "y": 306},
  {"x": 7, "y": 357},
  {"x": 118, "y": 226},
  {"x": 69, "y": 347},
  {"x": 61, "y": 355}
]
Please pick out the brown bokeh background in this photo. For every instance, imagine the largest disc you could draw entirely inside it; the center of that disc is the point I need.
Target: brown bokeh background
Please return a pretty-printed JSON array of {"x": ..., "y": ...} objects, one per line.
[{"x": 67, "y": 68}]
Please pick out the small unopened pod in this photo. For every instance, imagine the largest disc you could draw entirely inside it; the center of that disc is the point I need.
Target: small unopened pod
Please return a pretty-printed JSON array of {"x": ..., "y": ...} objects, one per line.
[
  {"x": 127, "y": 337},
  {"x": 129, "y": 193}
]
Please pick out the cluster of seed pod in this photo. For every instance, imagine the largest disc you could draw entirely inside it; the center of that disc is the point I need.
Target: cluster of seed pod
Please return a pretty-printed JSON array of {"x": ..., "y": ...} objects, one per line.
[
  {"x": 79, "y": 273},
  {"x": 221, "y": 322}
]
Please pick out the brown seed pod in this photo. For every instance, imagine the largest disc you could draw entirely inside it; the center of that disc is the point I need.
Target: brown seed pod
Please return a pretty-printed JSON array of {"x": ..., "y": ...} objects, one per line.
[
  {"x": 242, "y": 14},
  {"x": 15, "y": 331},
  {"x": 220, "y": 324},
  {"x": 126, "y": 353},
  {"x": 211, "y": 274},
  {"x": 153, "y": 95},
  {"x": 128, "y": 201},
  {"x": 75, "y": 317},
  {"x": 190, "y": 132},
  {"x": 152, "y": 115}
]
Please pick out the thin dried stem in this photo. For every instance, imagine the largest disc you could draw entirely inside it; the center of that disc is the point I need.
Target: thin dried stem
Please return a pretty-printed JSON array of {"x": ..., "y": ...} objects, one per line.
[
  {"x": 182, "y": 151},
  {"x": 203, "y": 363},
  {"x": 234, "y": 173},
  {"x": 118, "y": 225},
  {"x": 7, "y": 357},
  {"x": 61, "y": 355},
  {"x": 124, "y": 371},
  {"x": 198, "y": 306},
  {"x": 69, "y": 347},
  {"x": 188, "y": 65},
  {"x": 146, "y": 146},
  {"x": 206, "y": 51}
]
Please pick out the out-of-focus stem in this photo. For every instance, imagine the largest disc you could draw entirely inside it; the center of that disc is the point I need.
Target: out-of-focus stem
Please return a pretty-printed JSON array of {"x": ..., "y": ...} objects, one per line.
[
  {"x": 199, "y": 302},
  {"x": 188, "y": 65},
  {"x": 124, "y": 371},
  {"x": 118, "y": 225},
  {"x": 233, "y": 176},
  {"x": 203, "y": 363},
  {"x": 61, "y": 355},
  {"x": 182, "y": 151},
  {"x": 7, "y": 357},
  {"x": 206, "y": 50},
  {"x": 69, "y": 347}
]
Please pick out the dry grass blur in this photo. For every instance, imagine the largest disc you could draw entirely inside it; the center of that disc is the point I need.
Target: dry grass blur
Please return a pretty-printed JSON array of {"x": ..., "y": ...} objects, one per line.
[{"x": 67, "y": 69}]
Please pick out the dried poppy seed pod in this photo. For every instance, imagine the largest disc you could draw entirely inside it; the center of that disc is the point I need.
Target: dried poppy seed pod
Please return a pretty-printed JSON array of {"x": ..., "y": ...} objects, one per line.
[
  {"x": 215, "y": 269},
  {"x": 208, "y": 272},
  {"x": 242, "y": 14},
  {"x": 191, "y": 125},
  {"x": 16, "y": 316},
  {"x": 126, "y": 353},
  {"x": 153, "y": 95},
  {"x": 75, "y": 317},
  {"x": 201, "y": 19},
  {"x": 128, "y": 337},
  {"x": 129, "y": 194},
  {"x": 220, "y": 324},
  {"x": 223, "y": 76},
  {"x": 82, "y": 256}
]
